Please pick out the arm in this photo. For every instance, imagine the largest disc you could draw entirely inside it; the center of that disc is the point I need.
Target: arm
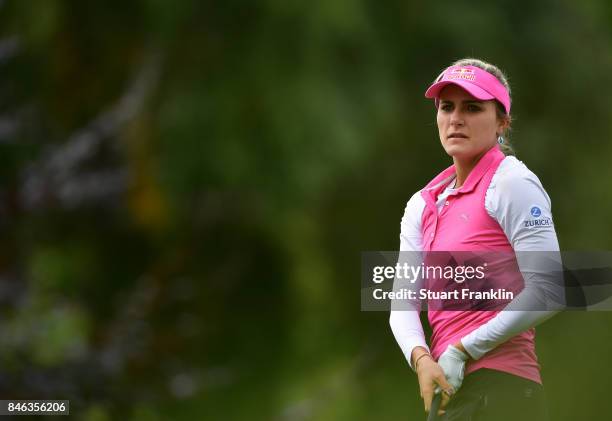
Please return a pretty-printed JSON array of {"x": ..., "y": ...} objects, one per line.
[
  {"x": 404, "y": 318},
  {"x": 510, "y": 200}
]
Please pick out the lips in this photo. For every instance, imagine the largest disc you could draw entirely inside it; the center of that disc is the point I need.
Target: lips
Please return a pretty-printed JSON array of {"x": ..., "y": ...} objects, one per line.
[{"x": 457, "y": 135}]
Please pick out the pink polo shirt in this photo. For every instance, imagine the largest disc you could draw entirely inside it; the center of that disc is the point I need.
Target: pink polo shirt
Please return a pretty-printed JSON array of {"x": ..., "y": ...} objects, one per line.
[{"x": 464, "y": 224}]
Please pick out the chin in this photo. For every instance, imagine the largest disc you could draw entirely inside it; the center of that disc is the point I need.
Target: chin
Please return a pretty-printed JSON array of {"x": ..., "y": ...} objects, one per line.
[
  {"x": 460, "y": 152},
  {"x": 456, "y": 150}
]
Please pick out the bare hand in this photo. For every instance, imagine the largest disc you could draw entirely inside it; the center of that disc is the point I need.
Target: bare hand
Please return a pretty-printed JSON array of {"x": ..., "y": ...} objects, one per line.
[{"x": 431, "y": 376}]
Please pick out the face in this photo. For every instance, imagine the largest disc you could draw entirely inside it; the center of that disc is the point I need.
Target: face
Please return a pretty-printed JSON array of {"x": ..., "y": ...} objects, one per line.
[{"x": 468, "y": 127}]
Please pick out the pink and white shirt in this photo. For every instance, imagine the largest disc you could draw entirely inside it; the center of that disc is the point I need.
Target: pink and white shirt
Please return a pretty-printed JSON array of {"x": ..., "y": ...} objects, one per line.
[{"x": 499, "y": 197}]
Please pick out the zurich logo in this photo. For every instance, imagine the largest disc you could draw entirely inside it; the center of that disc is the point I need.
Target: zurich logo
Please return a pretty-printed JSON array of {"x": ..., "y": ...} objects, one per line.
[{"x": 536, "y": 212}]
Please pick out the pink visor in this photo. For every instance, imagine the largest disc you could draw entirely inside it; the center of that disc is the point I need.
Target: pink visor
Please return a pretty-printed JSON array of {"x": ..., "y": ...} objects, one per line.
[{"x": 477, "y": 82}]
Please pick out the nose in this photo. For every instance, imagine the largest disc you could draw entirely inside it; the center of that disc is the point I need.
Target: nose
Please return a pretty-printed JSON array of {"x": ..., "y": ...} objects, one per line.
[{"x": 457, "y": 118}]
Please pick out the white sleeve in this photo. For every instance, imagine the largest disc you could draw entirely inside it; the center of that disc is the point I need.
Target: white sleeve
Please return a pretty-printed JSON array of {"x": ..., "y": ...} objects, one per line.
[
  {"x": 517, "y": 200},
  {"x": 406, "y": 324}
]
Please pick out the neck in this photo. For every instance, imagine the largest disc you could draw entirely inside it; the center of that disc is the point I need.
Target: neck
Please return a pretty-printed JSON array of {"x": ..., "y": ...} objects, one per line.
[{"x": 464, "y": 167}]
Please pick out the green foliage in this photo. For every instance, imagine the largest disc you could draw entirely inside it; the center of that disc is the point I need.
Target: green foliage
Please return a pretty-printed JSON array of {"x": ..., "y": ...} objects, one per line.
[{"x": 187, "y": 188}]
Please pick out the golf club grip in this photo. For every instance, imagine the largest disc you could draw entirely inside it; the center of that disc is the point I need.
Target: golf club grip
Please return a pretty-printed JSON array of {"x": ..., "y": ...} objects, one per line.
[{"x": 435, "y": 405}]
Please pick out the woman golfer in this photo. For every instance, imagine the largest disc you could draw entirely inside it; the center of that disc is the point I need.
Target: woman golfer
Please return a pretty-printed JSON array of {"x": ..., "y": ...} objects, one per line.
[{"x": 487, "y": 200}]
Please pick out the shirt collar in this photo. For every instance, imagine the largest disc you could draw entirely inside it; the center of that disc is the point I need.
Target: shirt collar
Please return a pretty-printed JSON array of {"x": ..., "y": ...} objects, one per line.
[{"x": 433, "y": 188}]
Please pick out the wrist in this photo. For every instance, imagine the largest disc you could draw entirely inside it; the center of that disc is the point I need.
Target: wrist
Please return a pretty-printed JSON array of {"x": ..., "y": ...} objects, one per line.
[
  {"x": 420, "y": 359},
  {"x": 461, "y": 348},
  {"x": 458, "y": 353},
  {"x": 416, "y": 353}
]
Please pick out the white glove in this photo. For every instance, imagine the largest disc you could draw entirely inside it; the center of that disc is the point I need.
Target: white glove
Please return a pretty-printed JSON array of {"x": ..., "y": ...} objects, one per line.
[{"x": 452, "y": 362}]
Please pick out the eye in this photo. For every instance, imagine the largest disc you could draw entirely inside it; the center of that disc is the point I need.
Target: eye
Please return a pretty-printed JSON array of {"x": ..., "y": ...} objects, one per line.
[
  {"x": 473, "y": 108},
  {"x": 446, "y": 106}
]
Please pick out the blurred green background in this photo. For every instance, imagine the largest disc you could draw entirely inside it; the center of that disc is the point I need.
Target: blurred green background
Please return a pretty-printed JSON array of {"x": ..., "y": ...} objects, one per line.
[{"x": 186, "y": 188}]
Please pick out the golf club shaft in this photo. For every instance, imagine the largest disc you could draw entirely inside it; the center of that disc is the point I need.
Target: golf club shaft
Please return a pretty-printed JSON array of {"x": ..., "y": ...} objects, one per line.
[{"x": 435, "y": 405}]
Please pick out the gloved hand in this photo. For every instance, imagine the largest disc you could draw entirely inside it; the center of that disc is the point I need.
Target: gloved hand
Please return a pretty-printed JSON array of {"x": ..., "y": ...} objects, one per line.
[{"x": 452, "y": 362}]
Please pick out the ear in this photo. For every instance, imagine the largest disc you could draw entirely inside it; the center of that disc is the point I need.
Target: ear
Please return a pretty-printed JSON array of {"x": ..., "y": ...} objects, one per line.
[{"x": 503, "y": 124}]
